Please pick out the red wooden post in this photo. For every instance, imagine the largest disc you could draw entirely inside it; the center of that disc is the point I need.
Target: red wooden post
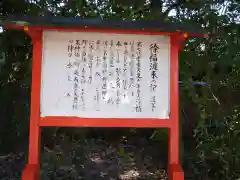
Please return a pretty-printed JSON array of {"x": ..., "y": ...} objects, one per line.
[
  {"x": 174, "y": 131},
  {"x": 175, "y": 170},
  {"x": 31, "y": 171}
]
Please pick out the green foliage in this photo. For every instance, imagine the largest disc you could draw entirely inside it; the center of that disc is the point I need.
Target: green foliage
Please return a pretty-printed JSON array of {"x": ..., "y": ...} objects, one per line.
[{"x": 209, "y": 114}]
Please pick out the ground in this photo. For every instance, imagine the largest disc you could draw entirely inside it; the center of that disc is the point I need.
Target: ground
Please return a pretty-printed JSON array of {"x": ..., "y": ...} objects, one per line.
[{"x": 92, "y": 159}]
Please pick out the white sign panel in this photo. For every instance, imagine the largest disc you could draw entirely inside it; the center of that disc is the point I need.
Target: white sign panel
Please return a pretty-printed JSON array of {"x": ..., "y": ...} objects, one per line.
[{"x": 102, "y": 75}]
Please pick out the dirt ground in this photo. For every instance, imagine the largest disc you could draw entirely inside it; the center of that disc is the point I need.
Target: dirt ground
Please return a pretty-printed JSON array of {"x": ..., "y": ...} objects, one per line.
[{"x": 91, "y": 159}]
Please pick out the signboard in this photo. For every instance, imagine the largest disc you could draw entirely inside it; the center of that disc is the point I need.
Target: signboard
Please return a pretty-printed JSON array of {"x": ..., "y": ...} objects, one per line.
[{"x": 102, "y": 75}]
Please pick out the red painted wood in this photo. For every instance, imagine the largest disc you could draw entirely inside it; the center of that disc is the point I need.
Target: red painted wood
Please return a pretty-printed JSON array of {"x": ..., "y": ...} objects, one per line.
[
  {"x": 34, "y": 137},
  {"x": 175, "y": 172},
  {"x": 31, "y": 172},
  {"x": 103, "y": 122},
  {"x": 174, "y": 101}
]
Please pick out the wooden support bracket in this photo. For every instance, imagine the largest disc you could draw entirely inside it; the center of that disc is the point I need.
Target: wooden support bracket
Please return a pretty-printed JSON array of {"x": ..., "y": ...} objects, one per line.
[
  {"x": 31, "y": 172},
  {"x": 175, "y": 172}
]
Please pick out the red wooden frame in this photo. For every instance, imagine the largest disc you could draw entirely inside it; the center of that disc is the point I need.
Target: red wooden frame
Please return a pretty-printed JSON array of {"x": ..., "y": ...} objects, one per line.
[{"x": 31, "y": 171}]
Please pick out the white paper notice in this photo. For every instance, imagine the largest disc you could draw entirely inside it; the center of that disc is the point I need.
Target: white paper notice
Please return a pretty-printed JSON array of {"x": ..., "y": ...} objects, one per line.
[{"x": 102, "y": 75}]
